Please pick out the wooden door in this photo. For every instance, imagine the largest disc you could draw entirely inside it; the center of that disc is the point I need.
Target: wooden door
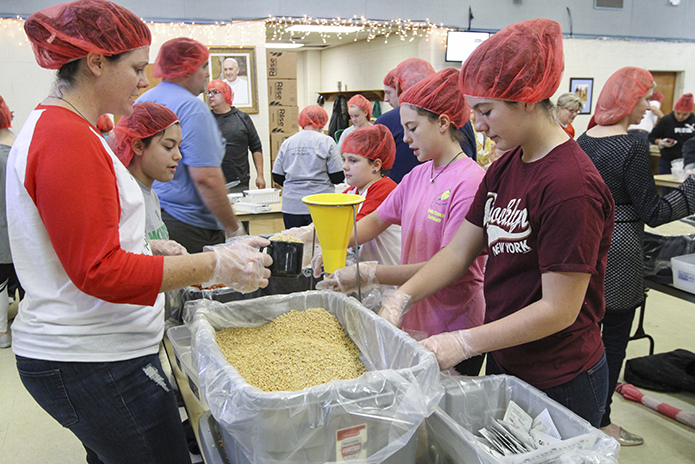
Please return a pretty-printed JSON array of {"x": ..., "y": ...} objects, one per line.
[{"x": 666, "y": 84}]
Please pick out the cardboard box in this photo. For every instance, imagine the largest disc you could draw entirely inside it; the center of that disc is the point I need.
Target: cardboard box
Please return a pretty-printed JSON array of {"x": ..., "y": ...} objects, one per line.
[
  {"x": 275, "y": 143},
  {"x": 281, "y": 65},
  {"x": 283, "y": 119},
  {"x": 282, "y": 92}
]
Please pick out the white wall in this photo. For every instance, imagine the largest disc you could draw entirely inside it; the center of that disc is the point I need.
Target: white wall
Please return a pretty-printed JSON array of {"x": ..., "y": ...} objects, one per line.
[{"x": 363, "y": 65}]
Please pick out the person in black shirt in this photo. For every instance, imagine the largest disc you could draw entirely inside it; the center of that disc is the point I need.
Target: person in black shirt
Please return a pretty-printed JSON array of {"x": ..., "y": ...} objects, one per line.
[
  {"x": 240, "y": 135},
  {"x": 672, "y": 131}
]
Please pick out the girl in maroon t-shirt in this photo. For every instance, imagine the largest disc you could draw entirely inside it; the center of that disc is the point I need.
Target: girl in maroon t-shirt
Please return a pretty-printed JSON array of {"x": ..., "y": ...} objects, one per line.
[{"x": 545, "y": 218}]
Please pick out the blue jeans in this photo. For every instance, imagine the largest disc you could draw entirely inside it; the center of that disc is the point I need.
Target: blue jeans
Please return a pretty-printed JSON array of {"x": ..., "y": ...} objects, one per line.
[
  {"x": 585, "y": 395},
  {"x": 615, "y": 331},
  {"x": 123, "y": 412}
]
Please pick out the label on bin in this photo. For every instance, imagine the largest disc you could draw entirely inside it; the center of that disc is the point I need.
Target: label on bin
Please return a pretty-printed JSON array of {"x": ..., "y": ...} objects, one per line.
[{"x": 351, "y": 443}]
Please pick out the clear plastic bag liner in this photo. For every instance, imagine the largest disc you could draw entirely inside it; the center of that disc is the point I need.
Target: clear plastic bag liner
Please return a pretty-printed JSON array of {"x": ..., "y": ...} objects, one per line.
[
  {"x": 399, "y": 390},
  {"x": 471, "y": 403}
]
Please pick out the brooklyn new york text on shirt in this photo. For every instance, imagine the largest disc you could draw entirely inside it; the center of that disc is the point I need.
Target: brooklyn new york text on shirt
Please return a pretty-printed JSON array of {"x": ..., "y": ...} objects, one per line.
[{"x": 507, "y": 226}]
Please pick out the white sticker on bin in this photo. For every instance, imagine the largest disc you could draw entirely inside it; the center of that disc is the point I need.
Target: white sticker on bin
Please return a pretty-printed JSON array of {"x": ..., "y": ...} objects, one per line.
[{"x": 351, "y": 443}]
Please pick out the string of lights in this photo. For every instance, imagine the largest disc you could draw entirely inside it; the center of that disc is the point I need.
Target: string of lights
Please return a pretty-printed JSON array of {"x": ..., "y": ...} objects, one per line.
[{"x": 280, "y": 29}]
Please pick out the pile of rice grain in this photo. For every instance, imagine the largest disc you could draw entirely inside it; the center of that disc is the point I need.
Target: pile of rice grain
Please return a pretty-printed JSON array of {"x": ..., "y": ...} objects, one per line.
[{"x": 299, "y": 349}]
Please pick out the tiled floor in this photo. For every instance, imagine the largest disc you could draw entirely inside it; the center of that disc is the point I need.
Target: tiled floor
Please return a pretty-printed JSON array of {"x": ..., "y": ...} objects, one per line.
[{"x": 29, "y": 436}]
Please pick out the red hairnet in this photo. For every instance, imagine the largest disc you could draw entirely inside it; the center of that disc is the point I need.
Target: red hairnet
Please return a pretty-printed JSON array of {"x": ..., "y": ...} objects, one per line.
[
  {"x": 148, "y": 119},
  {"x": 313, "y": 115},
  {"x": 439, "y": 94},
  {"x": 684, "y": 103},
  {"x": 621, "y": 93},
  {"x": 409, "y": 72},
  {"x": 5, "y": 115},
  {"x": 390, "y": 79},
  {"x": 223, "y": 88},
  {"x": 523, "y": 62},
  {"x": 69, "y": 31},
  {"x": 104, "y": 123},
  {"x": 373, "y": 142},
  {"x": 361, "y": 102},
  {"x": 178, "y": 57},
  {"x": 657, "y": 96}
]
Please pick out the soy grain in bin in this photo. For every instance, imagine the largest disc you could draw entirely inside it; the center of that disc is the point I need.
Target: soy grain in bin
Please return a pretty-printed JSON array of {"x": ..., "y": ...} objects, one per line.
[
  {"x": 471, "y": 403},
  {"x": 177, "y": 299},
  {"x": 373, "y": 418}
]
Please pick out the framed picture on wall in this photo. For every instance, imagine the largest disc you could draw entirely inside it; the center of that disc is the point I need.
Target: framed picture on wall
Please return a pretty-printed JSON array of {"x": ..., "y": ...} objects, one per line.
[
  {"x": 583, "y": 87},
  {"x": 237, "y": 67}
]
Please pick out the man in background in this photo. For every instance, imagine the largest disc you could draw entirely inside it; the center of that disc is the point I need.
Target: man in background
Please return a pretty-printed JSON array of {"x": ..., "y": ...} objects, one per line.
[{"x": 195, "y": 207}]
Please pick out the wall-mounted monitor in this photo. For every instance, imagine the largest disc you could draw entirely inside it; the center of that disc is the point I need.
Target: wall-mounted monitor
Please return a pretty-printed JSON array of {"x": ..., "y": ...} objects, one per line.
[{"x": 460, "y": 44}]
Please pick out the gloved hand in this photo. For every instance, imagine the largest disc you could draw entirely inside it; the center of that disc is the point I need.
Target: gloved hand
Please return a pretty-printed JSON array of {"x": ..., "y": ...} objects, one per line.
[
  {"x": 306, "y": 235},
  {"x": 317, "y": 262},
  {"x": 167, "y": 248},
  {"x": 239, "y": 232},
  {"x": 345, "y": 279},
  {"x": 240, "y": 265},
  {"x": 394, "y": 306},
  {"x": 451, "y": 348}
]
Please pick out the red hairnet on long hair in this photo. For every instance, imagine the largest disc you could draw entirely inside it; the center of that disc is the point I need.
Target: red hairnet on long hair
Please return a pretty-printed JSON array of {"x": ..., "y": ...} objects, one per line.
[
  {"x": 523, "y": 62},
  {"x": 373, "y": 142},
  {"x": 5, "y": 115},
  {"x": 440, "y": 94},
  {"x": 390, "y": 79},
  {"x": 410, "y": 72},
  {"x": 69, "y": 31},
  {"x": 361, "y": 102},
  {"x": 104, "y": 123},
  {"x": 148, "y": 119},
  {"x": 312, "y": 115},
  {"x": 223, "y": 88},
  {"x": 621, "y": 93},
  {"x": 178, "y": 57},
  {"x": 684, "y": 103}
]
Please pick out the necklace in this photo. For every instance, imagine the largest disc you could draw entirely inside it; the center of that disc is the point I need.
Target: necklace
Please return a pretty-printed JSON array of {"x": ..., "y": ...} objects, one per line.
[
  {"x": 73, "y": 106},
  {"x": 433, "y": 177}
]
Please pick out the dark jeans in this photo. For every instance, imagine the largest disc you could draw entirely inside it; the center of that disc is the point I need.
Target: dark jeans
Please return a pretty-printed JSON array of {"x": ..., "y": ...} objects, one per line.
[
  {"x": 191, "y": 237},
  {"x": 616, "y": 327},
  {"x": 585, "y": 395},
  {"x": 296, "y": 220},
  {"x": 123, "y": 412}
]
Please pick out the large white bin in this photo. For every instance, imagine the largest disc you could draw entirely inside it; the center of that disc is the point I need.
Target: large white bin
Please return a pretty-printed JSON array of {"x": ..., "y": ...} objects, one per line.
[
  {"x": 373, "y": 418},
  {"x": 471, "y": 403}
]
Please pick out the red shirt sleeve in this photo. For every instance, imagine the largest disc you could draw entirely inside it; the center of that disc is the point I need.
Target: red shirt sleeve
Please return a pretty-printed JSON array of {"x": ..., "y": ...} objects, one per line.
[
  {"x": 376, "y": 194},
  {"x": 71, "y": 179}
]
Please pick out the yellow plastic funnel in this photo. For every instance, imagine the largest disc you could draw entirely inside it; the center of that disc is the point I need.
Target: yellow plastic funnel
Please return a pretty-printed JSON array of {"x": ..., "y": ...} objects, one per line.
[{"x": 333, "y": 218}]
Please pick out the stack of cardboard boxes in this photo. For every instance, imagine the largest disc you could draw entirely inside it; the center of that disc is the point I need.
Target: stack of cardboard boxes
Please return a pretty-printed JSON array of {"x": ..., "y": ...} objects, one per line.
[{"x": 282, "y": 98}]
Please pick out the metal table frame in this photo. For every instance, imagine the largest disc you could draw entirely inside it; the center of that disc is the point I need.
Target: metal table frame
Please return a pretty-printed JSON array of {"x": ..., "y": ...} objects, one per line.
[{"x": 663, "y": 288}]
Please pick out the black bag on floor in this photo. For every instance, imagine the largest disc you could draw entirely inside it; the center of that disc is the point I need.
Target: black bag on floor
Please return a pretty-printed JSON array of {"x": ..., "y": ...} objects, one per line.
[{"x": 664, "y": 372}]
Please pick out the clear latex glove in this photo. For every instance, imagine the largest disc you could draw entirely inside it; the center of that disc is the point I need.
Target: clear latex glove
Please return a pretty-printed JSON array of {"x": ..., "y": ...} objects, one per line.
[
  {"x": 345, "y": 279},
  {"x": 239, "y": 232},
  {"x": 394, "y": 306},
  {"x": 451, "y": 348},
  {"x": 240, "y": 265},
  {"x": 167, "y": 248},
  {"x": 317, "y": 263}
]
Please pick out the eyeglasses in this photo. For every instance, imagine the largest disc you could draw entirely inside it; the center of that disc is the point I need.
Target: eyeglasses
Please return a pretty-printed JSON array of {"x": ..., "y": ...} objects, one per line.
[
  {"x": 571, "y": 111},
  {"x": 212, "y": 92}
]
